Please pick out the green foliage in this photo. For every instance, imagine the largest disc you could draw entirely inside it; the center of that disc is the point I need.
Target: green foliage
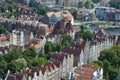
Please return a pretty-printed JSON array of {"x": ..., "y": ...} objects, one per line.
[
  {"x": 30, "y": 53},
  {"x": 63, "y": 79},
  {"x": 21, "y": 62},
  {"x": 38, "y": 61},
  {"x": 66, "y": 40},
  {"x": 74, "y": 14},
  {"x": 10, "y": 8},
  {"x": 10, "y": 1},
  {"x": 115, "y": 3},
  {"x": 113, "y": 73},
  {"x": 58, "y": 47},
  {"x": 99, "y": 63},
  {"x": 84, "y": 34},
  {"x": 96, "y": 1},
  {"x": 41, "y": 10},
  {"x": 48, "y": 47},
  {"x": 16, "y": 60},
  {"x": 33, "y": 3},
  {"x": 1, "y": 57},
  {"x": 3, "y": 31},
  {"x": 3, "y": 67},
  {"x": 88, "y": 4},
  {"x": 3, "y": 9},
  {"x": 111, "y": 62},
  {"x": 80, "y": 4}
]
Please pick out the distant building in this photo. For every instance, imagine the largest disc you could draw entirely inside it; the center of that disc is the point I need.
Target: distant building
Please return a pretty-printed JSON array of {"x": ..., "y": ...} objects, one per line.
[
  {"x": 117, "y": 15},
  {"x": 100, "y": 12},
  {"x": 54, "y": 17},
  {"x": 19, "y": 38},
  {"x": 85, "y": 15},
  {"x": 107, "y": 14},
  {"x": 4, "y": 43}
]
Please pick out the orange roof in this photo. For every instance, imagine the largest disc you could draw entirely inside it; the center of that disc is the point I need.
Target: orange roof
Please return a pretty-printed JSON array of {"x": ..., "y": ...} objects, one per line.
[
  {"x": 50, "y": 14},
  {"x": 37, "y": 46},
  {"x": 68, "y": 16},
  {"x": 85, "y": 72}
]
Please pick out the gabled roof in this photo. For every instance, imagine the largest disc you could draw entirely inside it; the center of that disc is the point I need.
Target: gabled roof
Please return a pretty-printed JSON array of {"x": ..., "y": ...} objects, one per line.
[
  {"x": 84, "y": 72},
  {"x": 76, "y": 47},
  {"x": 57, "y": 14},
  {"x": 58, "y": 56},
  {"x": 17, "y": 76}
]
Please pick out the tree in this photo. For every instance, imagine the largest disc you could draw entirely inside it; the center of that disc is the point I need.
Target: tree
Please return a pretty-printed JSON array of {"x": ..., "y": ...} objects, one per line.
[
  {"x": 3, "y": 9},
  {"x": 109, "y": 55},
  {"x": 66, "y": 40},
  {"x": 10, "y": 1},
  {"x": 63, "y": 79},
  {"x": 115, "y": 3},
  {"x": 30, "y": 53},
  {"x": 80, "y": 4},
  {"x": 111, "y": 62},
  {"x": 87, "y": 35},
  {"x": 3, "y": 31},
  {"x": 41, "y": 10},
  {"x": 96, "y": 1},
  {"x": 33, "y": 3},
  {"x": 38, "y": 61},
  {"x": 100, "y": 63},
  {"x": 74, "y": 14},
  {"x": 13, "y": 67},
  {"x": 106, "y": 65},
  {"x": 88, "y": 4},
  {"x": 10, "y": 8},
  {"x": 113, "y": 73},
  {"x": 48, "y": 47},
  {"x": 84, "y": 34},
  {"x": 17, "y": 65},
  {"x": 1, "y": 57},
  {"x": 21, "y": 62},
  {"x": 58, "y": 47},
  {"x": 3, "y": 68}
]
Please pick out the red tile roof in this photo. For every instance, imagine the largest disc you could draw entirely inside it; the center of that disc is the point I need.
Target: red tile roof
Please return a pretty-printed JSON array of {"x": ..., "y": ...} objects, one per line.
[
  {"x": 84, "y": 72},
  {"x": 75, "y": 48}
]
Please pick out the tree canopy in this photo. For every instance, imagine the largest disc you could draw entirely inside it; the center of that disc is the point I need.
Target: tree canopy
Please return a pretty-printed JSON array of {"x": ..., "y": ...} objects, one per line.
[
  {"x": 96, "y": 1},
  {"x": 3, "y": 31},
  {"x": 66, "y": 40},
  {"x": 109, "y": 59},
  {"x": 88, "y": 4},
  {"x": 16, "y": 60},
  {"x": 115, "y": 3},
  {"x": 84, "y": 34}
]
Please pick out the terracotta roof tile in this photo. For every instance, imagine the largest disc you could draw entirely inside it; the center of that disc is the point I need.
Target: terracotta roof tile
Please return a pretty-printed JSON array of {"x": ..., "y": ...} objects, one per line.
[{"x": 84, "y": 72}]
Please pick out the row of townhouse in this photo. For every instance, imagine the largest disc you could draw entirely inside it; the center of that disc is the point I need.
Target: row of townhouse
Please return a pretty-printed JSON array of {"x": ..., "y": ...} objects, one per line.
[
  {"x": 88, "y": 51},
  {"x": 60, "y": 65}
]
